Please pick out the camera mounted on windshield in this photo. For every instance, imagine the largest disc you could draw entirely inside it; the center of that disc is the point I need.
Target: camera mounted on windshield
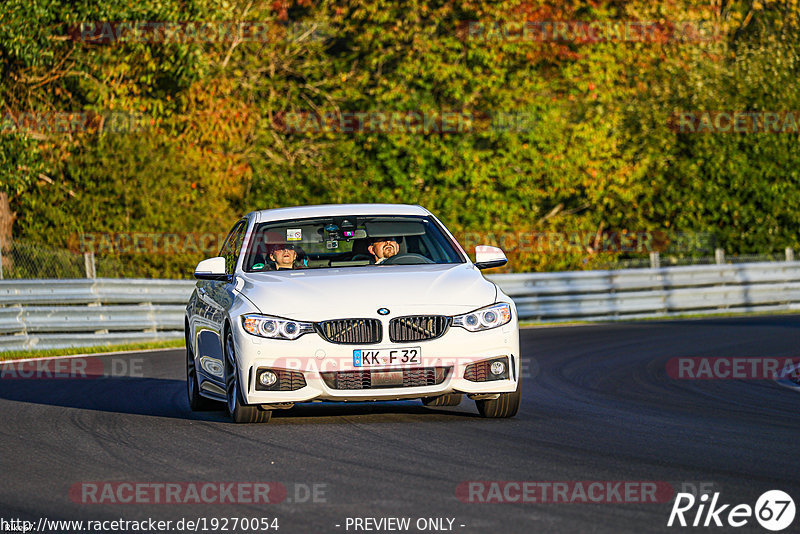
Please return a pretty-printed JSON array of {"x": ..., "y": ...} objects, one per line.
[{"x": 341, "y": 229}]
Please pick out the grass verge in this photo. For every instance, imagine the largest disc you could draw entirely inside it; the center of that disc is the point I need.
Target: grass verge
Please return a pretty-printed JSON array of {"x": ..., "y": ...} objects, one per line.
[{"x": 20, "y": 354}]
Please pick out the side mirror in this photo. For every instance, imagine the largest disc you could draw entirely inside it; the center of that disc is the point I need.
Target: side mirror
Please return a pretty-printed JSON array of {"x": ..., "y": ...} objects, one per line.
[
  {"x": 211, "y": 269},
  {"x": 487, "y": 257}
]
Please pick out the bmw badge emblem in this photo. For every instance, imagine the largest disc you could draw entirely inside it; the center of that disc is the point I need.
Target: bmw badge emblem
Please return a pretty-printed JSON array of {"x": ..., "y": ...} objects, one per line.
[{"x": 383, "y": 311}]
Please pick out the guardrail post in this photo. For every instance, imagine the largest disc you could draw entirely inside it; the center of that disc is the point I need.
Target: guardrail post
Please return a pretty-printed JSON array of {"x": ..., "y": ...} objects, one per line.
[
  {"x": 655, "y": 260},
  {"x": 789, "y": 257},
  {"x": 719, "y": 256},
  {"x": 1, "y": 261},
  {"x": 88, "y": 263}
]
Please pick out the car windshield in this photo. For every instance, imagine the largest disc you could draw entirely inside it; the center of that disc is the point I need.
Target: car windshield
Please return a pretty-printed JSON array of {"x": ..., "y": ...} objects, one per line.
[{"x": 348, "y": 241}]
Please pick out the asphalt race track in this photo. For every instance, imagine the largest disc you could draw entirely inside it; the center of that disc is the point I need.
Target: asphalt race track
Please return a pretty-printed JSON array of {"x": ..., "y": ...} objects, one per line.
[{"x": 598, "y": 405}]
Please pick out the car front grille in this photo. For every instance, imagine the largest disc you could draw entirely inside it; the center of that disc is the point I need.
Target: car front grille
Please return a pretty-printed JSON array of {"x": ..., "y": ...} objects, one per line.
[
  {"x": 351, "y": 331},
  {"x": 417, "y": 327},
  {"x": 425, "y": 376}
]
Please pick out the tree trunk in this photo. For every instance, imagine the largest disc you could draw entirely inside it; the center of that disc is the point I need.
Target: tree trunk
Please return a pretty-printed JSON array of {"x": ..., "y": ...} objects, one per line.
[{"x": 6, "y": 223}]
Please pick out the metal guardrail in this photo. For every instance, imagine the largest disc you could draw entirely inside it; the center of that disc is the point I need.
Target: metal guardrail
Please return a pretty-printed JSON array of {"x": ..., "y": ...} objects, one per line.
[
  {"x": 53, "y": 314},
  {"x": 68, "y": 313},
  {"x": 661, "y": 292}
]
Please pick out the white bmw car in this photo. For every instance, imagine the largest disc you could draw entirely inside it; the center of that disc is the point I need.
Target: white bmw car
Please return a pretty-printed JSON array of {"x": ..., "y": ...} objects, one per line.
[{"x": 358, "y": 302}]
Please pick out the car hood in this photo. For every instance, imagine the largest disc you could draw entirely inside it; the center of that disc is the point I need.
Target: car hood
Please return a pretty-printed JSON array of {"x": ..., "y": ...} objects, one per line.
[{"x": 318, "y": 294}]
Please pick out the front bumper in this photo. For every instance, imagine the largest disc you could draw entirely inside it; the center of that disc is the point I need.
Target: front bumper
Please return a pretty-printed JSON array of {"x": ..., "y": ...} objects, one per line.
[{"x": 312, "y": 355}]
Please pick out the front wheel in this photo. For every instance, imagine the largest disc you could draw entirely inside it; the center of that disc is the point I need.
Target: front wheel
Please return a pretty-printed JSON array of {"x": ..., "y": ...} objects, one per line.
[
  {"x": 237, "y": 410},
  {"x": 506, "y": 405}
]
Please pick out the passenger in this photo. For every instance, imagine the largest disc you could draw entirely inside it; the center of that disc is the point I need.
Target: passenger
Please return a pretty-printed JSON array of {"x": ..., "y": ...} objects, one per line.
[
  {"x": 287, "y": 256},
  {"x": 383, "y": 248}
]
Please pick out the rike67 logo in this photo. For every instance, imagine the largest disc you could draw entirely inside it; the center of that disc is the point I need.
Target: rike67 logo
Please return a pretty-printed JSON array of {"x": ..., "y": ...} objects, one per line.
[{"x": 774, "y": 510}]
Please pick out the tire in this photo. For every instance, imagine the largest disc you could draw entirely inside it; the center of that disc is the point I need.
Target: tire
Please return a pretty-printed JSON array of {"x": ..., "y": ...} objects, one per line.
[
  {"x": 197, "y": 402},
  {"x": 506, "y": 405},
  {"x": 450, "y": 399},
  {"x": 237, "y": 409}
]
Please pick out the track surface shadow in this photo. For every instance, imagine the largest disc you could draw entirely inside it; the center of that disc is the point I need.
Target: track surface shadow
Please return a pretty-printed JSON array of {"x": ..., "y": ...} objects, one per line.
[{"x": 161, "y": 397}]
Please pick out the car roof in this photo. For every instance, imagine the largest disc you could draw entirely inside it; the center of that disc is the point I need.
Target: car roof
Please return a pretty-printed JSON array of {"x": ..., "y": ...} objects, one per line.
[{"x": 328, "y": 210}]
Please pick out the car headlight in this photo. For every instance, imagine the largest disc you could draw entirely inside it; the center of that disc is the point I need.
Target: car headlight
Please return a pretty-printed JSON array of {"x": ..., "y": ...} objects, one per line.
[
  {"x": 275, "y": 327},
  {"x": 484, "y": 318}
]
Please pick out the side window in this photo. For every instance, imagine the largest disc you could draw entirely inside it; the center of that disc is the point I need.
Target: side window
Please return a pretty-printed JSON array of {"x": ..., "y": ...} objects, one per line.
[{"x": 233, "y": 244}]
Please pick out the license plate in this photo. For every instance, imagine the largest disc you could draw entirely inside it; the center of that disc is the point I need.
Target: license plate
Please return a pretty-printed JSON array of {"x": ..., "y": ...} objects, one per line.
[{"x": 387, "y": 357}]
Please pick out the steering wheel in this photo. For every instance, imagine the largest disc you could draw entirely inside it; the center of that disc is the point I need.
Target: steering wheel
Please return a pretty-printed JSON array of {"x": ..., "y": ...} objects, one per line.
[{"x": 406, "y": 259}]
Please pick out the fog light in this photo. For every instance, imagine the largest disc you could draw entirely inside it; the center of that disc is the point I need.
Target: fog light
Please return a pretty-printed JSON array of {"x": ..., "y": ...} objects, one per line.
[
  {"x": 498, "y": 368},
  {"x": 267, "y": 378}
]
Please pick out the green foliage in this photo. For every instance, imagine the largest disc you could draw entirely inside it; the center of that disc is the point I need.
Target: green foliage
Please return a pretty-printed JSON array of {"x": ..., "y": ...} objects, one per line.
[
  {"x": 597, "y": 153},
  {"x": 20, "y": 163},
  {"x": 740, "y": 186}
]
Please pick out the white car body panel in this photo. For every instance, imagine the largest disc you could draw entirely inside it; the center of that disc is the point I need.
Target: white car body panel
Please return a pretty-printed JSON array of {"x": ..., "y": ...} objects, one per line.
[
  {"x": 314, "y": 295},
  {"x": 317, "y": 294}
]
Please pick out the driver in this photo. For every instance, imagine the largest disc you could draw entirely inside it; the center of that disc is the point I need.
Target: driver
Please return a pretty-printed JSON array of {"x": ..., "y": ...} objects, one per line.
[
  {"x": 383, "y": 248},
  {"x": 285, "y": 256}
]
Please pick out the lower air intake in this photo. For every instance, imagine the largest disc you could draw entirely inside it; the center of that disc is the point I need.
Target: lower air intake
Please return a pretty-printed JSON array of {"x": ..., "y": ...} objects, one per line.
[{"x": 386, "y": 378}]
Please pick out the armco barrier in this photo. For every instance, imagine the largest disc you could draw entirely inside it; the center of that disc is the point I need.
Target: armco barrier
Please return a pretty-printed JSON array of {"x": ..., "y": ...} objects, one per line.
[
  {"x": 52, "y": 314},
  {"x": 68, "y": 313},
  {"x": 663, "y": 292}
]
